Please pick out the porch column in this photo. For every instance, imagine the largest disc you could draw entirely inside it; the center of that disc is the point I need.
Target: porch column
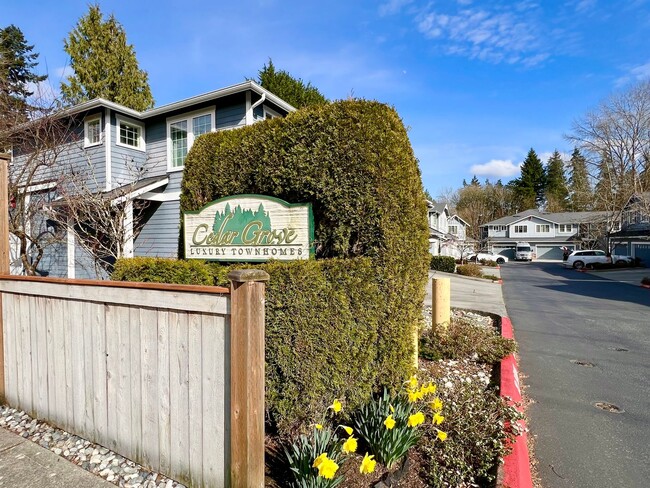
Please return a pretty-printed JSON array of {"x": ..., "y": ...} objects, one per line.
[
  {"x": 71, "y": 249},
  {"x": 127, "y": 250}
]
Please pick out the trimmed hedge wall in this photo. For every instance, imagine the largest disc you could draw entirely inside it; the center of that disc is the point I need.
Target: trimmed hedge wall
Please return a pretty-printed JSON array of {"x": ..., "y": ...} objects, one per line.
[
  {"x": 446, "y": 264},
  {"x": 339, "y": 325}
]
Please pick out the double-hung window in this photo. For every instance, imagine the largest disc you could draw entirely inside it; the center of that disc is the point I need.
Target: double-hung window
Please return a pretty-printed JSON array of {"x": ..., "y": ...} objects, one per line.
[
  {"x": 130, "y": 134},
  {"x": 92, "y": 131},
  {"x": 521, "y": 229},
  {"x": 542, "y": 228},
  {"x": 181, "y": 133}
]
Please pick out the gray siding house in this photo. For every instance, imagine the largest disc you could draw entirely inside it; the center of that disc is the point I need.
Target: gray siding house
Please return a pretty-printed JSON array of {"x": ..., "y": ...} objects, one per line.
[
  {"x": 548, "y": 233},
  {"x": 447, "y": 232},
  {"x": 146, "y": 151},
  {"x": 634, "y": 237}
]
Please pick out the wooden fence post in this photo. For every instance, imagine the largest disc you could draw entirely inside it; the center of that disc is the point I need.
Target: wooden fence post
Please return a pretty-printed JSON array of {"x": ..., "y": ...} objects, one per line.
[
  {"x": 247, "y": 378},
  {"x": 4, "y": 254},
  {"x": 440, "y": 302}
]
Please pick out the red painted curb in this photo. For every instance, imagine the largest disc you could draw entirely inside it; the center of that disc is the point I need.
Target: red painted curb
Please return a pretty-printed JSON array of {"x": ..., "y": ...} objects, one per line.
[
  {"x": 516, "y": 465},
  {"x": 645, "y": 286}
]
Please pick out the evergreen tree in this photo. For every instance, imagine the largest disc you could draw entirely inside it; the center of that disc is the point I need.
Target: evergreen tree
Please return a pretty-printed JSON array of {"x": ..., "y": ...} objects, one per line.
[
  {"x": 529, "y": 188},
  {"x": 580, "y": 193},
  {"x": 556, "y": 184},
  {"x": 17, "y": 64},
  {"x": 290, "y": 89},
  {"x": 475, "y": 181},
  {"x": 104, "y": 64}
]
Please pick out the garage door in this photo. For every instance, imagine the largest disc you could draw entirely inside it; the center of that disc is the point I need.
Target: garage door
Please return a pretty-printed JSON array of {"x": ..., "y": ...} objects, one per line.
[
  {"x": 642, "y": 251},
  {"x": 550, "y": 252},
  {"x": 508, "y": 252}
]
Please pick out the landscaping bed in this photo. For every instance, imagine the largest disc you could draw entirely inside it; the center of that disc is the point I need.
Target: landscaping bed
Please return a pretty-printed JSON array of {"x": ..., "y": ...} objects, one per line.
[{"x": 459, "y": 366}]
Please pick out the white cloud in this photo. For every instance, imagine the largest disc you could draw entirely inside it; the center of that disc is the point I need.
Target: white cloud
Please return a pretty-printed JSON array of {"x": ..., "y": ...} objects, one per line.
[
  {"x": 496, "y": 168},
  {"x": 636, "y": 73},
  {"x": 493, "y": 33},
  {"x": 393, "y": 6}
]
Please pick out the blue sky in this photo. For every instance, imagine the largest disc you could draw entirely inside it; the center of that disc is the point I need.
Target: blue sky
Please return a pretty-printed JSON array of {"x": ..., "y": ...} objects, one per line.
[{"x": 478, "y": 83}]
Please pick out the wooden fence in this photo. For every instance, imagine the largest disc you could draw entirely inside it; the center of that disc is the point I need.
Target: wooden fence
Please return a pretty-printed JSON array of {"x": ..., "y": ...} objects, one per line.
[{"x": 141, "y": 370}]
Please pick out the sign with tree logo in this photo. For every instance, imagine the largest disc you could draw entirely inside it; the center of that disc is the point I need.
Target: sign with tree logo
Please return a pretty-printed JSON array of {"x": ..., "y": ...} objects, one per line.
[{"x": 249, "y": 228}]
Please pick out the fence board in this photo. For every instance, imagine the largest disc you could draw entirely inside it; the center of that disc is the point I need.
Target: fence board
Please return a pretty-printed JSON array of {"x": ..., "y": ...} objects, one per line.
[
  {"x": 98, "y": 353},
  {"x": 51, "y": 355},
  {"x": 195, "y": 398},
  {"x": 124, "y": 385},
  {"x": 149, "y": 385},
  {"x": 11, "y": 361},
  {"x": 59, "y": 409},
  {"x": 179, "y": 394},
  {"x": 112, "y": 333},
  {"x": 136, "y": 382},
  {"x": 164, "y": 421}
]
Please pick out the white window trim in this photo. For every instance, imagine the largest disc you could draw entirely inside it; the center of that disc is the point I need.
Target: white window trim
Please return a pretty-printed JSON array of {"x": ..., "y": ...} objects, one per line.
[
  {"x": 87, "y": 121},
  {"x": 188, "y": 116},
  {"x": 141, "y": 144},
  {"x": 271, "y": 112}
]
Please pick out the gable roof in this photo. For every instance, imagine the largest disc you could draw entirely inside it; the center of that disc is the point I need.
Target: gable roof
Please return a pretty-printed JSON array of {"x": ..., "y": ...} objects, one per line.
[
  {"x": 554, "y": 217},
  {"x": 438, "y": 207},
  {"x": 187, "y": 102}
]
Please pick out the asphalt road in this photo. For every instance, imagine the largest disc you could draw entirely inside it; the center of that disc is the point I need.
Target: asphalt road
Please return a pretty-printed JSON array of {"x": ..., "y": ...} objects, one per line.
[{"x": 562, "y": 317}]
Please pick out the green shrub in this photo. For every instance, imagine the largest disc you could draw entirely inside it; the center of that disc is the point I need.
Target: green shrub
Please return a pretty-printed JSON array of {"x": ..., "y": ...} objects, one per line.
[
  {"x": 480, "y": 428},
  {"x": 474, "y": 270},
  {"x": 465, "y": 339},
  {"x": 489, "y": 262},
  {"x": 351, "y": 160},
  {"x": 161, "y": 270},
  {"x": 446, "y": 264}
]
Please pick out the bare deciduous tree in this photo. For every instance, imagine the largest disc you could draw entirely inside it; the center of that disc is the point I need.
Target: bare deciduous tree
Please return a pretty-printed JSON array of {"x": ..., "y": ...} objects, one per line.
[{"x": 615, "y": 140}]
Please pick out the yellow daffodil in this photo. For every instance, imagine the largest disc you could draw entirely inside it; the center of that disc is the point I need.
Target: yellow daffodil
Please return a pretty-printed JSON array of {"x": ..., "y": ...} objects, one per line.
[
  {"x": 413, "y": 382},
  {"x": 389, "y": 422},
  {"x": 415, "y": 419},
  {"x": 319, "y": 460},
  {"x": 430, "y": 388},
  {"x": 327, "y": 468},
  {"x": 350, "y": 445},
  {"x": 367, "y": 465},
  {"x": 347, "y": 429},
  {"x": 437, "y": 418},
  {"x": 414, "y": 396},
  {"x": 336, "y": 406},
  {"x": 442, "y": 435},
  {"x": 319, "y": 426},
  {"x": 436, "y": 404}
]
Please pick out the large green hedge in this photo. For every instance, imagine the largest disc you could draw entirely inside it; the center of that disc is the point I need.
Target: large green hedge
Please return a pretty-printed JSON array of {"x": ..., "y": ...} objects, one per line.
[{"x": 334, "y": 327}]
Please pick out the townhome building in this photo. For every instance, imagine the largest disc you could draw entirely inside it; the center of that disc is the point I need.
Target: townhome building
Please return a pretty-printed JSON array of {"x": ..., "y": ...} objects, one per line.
[
  {"x": 447, "y": 232},
  {"x": 548, "y": 233},
  {"x": 634, "y": 237},
  {"x": 132, "y": 157}
]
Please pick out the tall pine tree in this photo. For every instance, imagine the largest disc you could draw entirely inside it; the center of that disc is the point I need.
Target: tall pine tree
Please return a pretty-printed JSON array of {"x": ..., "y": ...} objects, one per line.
[
  {"x": 17, "y": 75},
  {"x": 104, "y": 64},
  {"x": 529, "y": 188},
  {"x": 556, "y": 184},
  {"x": 290, "y": 89},
  {"x": 580, "y": 192}
]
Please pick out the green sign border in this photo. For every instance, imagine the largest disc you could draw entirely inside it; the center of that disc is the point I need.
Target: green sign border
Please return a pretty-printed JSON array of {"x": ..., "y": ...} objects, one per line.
[{"x": 310, "y": 216}]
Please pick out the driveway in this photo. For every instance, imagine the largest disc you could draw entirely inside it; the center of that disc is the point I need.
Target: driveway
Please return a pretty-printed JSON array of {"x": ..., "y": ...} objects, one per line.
[{"x": 584, "y": 343}]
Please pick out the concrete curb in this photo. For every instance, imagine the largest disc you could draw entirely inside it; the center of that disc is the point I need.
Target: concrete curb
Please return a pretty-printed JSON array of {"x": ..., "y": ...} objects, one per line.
[
  {"x": 516, "y": 465},
  {"x": 468, "y": 278}
]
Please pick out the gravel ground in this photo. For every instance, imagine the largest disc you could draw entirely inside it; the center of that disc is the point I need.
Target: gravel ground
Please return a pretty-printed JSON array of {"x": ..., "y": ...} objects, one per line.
[{"x": 91, "y": 457}]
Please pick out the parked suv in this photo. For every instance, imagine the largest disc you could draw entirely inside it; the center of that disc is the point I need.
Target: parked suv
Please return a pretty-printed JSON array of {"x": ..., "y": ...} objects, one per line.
[
  {"x": 589, "y": 257},
  {"x": 487, "y": 256}
]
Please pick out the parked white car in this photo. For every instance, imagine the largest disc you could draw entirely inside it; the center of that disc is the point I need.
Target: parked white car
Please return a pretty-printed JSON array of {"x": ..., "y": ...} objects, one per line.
[
  {"x": 487, "y": 256},
  {"x": 589, "y": 257}
]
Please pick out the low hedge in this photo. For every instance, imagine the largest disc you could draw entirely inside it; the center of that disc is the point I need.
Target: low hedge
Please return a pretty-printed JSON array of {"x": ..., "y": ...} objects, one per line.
[
  {"x": 474, "y": 270},
  {"x": 446, "y": 264},
  {"x": 162, "y": 270},
  {"x": 322, "y": 327}
]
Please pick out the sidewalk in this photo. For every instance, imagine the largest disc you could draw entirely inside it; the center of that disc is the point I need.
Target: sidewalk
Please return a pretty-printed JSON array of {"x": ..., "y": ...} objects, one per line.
[
  {"x": 24, "y": 464},
  {"x": 471, "y": 293}
]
